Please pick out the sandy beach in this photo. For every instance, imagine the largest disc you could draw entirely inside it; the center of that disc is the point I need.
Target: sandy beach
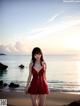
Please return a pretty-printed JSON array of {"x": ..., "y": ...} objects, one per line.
[{"x": 19, "y": 98}]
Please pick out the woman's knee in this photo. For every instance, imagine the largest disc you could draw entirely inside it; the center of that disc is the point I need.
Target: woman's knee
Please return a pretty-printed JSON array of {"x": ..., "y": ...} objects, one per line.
[
  {"x": 34, "y": 104},
  {"x": 33, "y": 99},
  {"x": 42, "y": 100},
  {"x": 41, "y": 104}
]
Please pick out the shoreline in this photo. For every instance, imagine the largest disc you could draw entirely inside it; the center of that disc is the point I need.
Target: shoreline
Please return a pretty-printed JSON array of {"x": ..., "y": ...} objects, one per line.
[
  {"x": 19, "y": 98},
  {"x": 22, "y": 88},
  {"x": 57, "y": 86}
]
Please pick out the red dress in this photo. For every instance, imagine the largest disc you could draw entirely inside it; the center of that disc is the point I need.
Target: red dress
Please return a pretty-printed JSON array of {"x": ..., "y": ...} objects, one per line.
[{"x": 38, "y": 84}]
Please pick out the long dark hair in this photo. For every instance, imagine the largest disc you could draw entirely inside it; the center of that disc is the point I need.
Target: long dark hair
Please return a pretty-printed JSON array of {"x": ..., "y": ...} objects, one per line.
[{"x": 37, "y": 50}]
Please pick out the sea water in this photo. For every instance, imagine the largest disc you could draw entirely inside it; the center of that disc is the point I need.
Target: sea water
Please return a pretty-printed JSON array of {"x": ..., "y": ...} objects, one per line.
[{"x": 63, "y": 71}]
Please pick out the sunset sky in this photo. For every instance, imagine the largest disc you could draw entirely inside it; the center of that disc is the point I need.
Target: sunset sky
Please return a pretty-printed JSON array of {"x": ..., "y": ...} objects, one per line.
[{"x": 52, "y": 25}]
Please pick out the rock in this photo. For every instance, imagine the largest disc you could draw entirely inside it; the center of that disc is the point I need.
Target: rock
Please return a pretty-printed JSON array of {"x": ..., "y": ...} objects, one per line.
[
  {"x": 3, "y": 67},
  {"x": 13, "y": 85},
  {"x": 21, "y": 66},
  {"x": 5, "y": 84},
  {"x": 2, "y": 54},
  {"x": 75, "y": 103},
  {"x": 2, "y": 84}
]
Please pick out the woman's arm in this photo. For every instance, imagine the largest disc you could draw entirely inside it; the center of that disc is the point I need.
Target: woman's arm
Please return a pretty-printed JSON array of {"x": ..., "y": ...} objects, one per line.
[
  {"x": 45, "y": 67},
  {"x": 29, "y": 76}
]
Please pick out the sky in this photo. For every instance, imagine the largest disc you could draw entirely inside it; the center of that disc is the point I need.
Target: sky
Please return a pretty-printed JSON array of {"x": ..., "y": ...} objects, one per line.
[{"x": 52, "y": 25}]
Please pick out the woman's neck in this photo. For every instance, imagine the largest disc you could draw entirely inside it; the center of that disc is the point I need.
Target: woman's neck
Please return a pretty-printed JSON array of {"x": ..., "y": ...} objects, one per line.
[{"x": 38, "y": 61}]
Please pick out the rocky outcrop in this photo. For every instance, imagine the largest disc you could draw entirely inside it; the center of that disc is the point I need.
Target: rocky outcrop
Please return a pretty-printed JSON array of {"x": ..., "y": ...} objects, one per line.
[
  {"x": 21, "y": 66},
  {"x": 74, "y": 103},
  {"x": 2, "y": 84},
  {"x": 13, "y": 85},
  {"x": 3, "y": 67},
  {"x": 2, "y": 54}
]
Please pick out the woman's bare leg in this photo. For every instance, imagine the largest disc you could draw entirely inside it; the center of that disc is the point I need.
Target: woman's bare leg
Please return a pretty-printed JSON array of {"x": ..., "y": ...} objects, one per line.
[
  {"x": 42, "y": 99},
  {"x": 34, "y": 100}
]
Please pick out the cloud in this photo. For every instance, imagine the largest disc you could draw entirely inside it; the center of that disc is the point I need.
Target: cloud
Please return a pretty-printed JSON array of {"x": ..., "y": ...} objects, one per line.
[
  {"x": 47, "y": 27},
  {"x": 17, "y": 47},
  {"x": 52, "y": 18},
  {"x": 8, "y": 48},
  {"x": 57, "y": 15},
  {"x": 3, "y": 49},
  {"x": 50, "y": 37}
]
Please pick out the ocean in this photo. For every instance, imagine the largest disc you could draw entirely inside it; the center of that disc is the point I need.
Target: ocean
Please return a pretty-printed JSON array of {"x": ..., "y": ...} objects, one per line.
[{"x": 63, "y": 71}]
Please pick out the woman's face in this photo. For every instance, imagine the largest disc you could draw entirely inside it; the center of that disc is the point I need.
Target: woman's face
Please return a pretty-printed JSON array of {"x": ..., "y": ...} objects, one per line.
[{"x": 37, "y": 56}]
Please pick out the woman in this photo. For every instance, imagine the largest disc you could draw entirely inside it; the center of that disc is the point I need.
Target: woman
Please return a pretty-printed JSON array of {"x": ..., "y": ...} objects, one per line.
[{"x": 37, "y": 85}]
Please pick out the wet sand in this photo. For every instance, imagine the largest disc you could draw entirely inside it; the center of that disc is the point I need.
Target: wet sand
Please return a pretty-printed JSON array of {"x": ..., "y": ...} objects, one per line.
[{"x": 16, "y": 98}]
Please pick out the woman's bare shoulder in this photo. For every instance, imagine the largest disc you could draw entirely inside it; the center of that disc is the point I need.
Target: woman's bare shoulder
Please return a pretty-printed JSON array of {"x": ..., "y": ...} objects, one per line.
[{"x": 44, "y": 63}]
